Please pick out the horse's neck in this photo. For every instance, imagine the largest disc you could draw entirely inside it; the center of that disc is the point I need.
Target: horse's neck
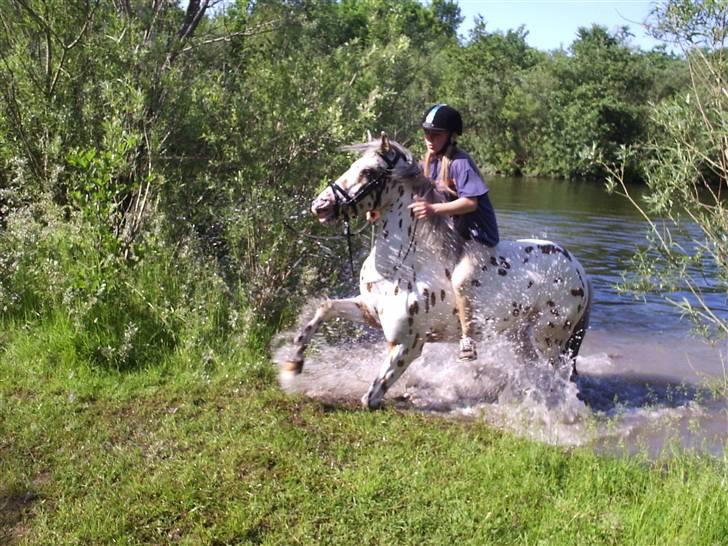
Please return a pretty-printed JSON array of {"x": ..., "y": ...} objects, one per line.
[{"x": 404, "y": 245}]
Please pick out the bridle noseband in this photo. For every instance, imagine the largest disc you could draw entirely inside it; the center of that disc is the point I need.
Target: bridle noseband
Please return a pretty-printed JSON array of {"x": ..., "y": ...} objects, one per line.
[{"x": 343, "y": 201}]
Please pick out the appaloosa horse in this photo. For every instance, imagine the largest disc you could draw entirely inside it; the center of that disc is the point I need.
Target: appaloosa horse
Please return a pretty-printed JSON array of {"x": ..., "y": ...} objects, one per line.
[{"x": 533, "y": 290}]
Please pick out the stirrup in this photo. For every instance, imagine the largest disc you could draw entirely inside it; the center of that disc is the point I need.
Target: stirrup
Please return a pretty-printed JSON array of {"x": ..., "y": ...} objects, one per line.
[{"x": 467, "y": 350}]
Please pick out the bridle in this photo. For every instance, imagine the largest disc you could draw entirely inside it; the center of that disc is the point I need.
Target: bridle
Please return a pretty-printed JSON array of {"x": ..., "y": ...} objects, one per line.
[
  {"x": 376, "y": 181},
  {"x": 343, "y": 201}
]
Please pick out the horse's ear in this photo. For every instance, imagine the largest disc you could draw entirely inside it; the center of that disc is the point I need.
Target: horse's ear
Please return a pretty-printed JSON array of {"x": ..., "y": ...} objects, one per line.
[
  {"x": 369, "y": 136},
  {"x": 385, "y": 142}
]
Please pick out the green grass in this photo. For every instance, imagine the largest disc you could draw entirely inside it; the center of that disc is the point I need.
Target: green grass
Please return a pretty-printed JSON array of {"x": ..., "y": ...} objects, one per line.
[{"x": 211, "y": 452}]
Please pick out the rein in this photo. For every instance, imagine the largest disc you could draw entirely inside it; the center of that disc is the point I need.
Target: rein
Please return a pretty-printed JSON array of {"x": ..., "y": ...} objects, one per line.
[
  {"x": 414, "y": 233},
  {"x": 343, "y": 201}
]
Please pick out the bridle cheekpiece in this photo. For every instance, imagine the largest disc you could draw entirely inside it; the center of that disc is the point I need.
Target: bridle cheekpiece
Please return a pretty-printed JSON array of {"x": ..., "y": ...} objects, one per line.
[{"x": 376, "y": 180}]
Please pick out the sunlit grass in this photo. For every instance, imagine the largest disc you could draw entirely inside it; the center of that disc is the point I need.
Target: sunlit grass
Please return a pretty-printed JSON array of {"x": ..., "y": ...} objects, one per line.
[{"x": 211, "y": 452}]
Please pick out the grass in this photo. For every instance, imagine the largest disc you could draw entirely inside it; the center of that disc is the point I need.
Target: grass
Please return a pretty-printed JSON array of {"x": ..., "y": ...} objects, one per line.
[{"x": 213, "y": 453}]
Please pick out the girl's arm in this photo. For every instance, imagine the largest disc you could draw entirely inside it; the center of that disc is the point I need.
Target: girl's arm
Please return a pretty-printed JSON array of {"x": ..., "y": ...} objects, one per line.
[{"x": 461, "y": 205}]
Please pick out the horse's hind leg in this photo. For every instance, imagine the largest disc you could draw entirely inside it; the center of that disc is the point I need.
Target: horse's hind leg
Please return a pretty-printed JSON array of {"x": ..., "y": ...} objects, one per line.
[
  {"x": 351, "y": 309},
  {"x": 573, "y": 344},
  {"x": 400, "y": 355}
]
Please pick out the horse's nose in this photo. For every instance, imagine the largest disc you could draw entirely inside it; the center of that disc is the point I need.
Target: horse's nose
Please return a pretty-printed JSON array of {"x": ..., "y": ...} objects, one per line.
[
  {"x": 323, "y": 209},
  {"x": 318, "y": 205}
]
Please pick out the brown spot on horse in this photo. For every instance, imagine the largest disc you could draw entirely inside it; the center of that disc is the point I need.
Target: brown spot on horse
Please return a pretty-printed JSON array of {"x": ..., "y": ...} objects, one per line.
[{"x": 369, "y": 318}]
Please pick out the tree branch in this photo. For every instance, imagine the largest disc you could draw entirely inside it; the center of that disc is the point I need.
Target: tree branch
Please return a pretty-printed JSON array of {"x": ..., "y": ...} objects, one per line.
[
  {"x": 67, "y": 47},
  {"x": 268, "y": 26}
]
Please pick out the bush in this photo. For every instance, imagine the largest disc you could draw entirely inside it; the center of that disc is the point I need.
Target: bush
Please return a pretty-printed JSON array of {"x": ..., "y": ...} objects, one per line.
[{"x": 125, "y": 314}]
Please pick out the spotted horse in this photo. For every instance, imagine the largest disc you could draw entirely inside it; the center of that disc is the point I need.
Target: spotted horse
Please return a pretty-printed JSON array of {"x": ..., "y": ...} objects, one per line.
[{"x": 533, "y": 291}]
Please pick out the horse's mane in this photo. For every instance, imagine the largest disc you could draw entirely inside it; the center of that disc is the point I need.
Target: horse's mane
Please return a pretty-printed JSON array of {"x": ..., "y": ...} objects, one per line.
[{"x": 412, "y": 175}]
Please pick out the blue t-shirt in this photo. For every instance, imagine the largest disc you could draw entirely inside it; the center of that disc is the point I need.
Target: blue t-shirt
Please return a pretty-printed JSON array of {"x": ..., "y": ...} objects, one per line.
[{"x": 480, "y": 224}]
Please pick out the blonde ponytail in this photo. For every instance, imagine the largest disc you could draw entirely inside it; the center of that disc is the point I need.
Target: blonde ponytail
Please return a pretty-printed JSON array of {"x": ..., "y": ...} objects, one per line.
[{"x": 443, "y": 181}]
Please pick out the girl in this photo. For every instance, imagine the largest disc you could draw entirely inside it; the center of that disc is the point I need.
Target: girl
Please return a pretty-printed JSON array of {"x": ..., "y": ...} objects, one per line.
[{"x": 456, "y": 176}]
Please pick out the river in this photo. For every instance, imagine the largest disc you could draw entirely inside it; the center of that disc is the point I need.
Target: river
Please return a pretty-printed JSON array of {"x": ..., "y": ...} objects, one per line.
[{"x": 646, "y": 383}]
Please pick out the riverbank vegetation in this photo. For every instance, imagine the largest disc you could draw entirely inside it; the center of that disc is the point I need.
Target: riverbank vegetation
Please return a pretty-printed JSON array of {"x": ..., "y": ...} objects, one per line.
[{"x": 156, "y": 165}]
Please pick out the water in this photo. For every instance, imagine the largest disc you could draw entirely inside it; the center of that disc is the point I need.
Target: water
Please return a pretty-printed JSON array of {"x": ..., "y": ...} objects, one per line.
[{"x": 645, "y": 382}]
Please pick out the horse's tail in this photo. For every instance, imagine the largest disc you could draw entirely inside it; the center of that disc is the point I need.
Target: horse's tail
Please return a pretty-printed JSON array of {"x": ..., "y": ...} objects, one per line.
[{"x": 573, "y": 344}]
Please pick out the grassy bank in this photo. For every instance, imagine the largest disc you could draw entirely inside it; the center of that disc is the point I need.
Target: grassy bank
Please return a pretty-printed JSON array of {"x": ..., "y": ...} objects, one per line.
[{"x": 212, "y": 452}]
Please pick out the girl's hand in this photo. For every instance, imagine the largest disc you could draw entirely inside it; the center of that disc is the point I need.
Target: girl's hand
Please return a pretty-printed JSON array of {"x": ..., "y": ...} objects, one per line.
[{"x": 422, "y": 209}]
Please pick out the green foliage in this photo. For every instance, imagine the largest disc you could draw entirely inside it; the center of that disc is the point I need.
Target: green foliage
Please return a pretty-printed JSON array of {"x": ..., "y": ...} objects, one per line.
[
  {"x": 378, "y": 21},
  {"x": 130, "y": 130},
  {"x": 120, "y": 314},
  {"x": 270, "y": 127},
  {"x": 485, "y": 80},
  {"x": 98, "y": 188},
  {"x": 134, "y": 133},
  {"x": 528, "y": 112},
  {"x": 597, "y": 104}
]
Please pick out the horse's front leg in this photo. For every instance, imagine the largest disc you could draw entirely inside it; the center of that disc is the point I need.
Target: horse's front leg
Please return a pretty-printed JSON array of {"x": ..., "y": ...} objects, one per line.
[
  {"x": 351, "y": 308},
  {"x": 400, "y": 355}
]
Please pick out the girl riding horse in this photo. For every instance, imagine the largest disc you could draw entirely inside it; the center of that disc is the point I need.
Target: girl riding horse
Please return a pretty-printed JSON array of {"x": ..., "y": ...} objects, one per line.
[
  {"x": 457, "y": 177},
  {"x": 531, "y": 292}
]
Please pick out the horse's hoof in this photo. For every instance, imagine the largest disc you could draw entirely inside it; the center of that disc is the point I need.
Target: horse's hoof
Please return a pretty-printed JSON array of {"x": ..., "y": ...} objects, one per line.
[
  {"x": 293, "y": 367},
  {"x": 370, "y": 402},
  {"x": 288, "y": 372}
]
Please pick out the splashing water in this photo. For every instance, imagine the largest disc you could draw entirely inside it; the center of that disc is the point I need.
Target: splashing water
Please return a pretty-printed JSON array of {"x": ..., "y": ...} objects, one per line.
[{"x": 608, "y": 406}]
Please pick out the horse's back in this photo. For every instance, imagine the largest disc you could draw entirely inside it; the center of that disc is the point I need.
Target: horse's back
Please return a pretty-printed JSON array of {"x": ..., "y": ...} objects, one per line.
[{"x": 534, "y": 282}]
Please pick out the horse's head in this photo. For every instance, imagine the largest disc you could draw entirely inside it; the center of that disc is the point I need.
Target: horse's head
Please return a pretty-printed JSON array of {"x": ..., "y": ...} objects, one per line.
[{"x": 362, "y": 187}]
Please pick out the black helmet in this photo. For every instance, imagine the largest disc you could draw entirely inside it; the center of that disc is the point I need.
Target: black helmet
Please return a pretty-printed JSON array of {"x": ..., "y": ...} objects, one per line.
[{"x": 442, "y": 117}]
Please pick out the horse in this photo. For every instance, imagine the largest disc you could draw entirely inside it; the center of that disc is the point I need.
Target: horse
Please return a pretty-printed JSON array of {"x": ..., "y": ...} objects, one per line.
[{"x": 533, "y": 291}]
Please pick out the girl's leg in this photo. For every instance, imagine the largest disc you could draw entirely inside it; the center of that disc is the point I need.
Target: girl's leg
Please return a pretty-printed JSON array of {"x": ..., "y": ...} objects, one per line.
[{"x": 462, "y": 285}]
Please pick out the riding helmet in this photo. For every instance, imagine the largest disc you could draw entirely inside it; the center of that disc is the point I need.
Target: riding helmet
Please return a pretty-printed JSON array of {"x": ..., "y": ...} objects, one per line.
[{"x": 442, "y": 117}]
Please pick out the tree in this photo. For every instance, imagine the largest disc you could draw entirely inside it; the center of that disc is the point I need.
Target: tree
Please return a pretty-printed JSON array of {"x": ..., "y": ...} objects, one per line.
[
  {"x": 484, "y": 79},
  {"x": 597, "y": 104},
  {"x": 84, "y": 111}
]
